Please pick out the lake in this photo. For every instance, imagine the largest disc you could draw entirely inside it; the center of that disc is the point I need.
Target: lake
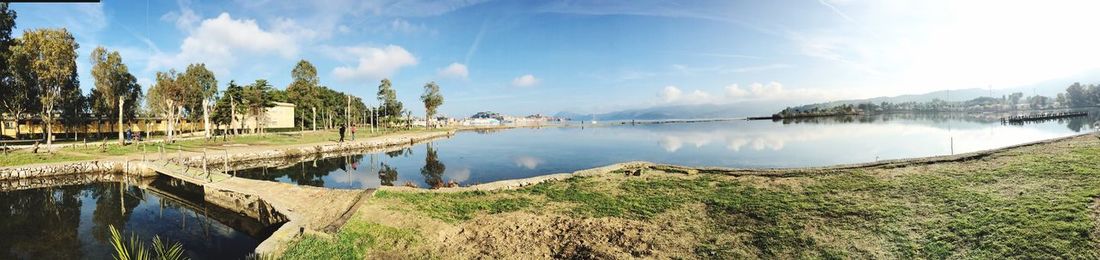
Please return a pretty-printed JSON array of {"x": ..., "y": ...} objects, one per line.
[
  {"x": 472, "y": 157},
  {"x": 72, "y": 222}
]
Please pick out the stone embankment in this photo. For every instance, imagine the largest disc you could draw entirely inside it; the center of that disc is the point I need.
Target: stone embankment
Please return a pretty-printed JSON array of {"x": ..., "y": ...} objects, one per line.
[
  {"x": 252, "y": 159},
  {"x": 239, "y": 156}
]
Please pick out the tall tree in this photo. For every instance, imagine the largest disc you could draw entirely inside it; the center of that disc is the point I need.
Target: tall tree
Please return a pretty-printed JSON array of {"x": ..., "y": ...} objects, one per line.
[
  {"x": 257, "y": 98},
  {"x": 303, "y": 91},
  {"x": 201, "y": 86},
  {"x": 228, "y": 108},
  {"x": 115, "y": 88},
  {"x": 166, "y": 97},
  {"x": 1014, "y": 99},
  {"x": 391, "y": 108},
  {"x": 432, "y": 100},
  {"x": 18, "y": 95},
  {"x": 73, "y": 108},
  {"x": 53, "y": 56},
  {"x": 1077, "y": 95}
]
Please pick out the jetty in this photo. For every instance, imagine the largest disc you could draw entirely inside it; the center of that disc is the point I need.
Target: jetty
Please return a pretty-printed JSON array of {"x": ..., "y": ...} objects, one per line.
[
  {"x": 297, "y": 208},
  {"x": 1042, "y": 116}
]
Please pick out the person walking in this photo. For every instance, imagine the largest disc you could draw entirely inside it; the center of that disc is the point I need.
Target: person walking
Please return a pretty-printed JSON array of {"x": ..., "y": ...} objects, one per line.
[
  {"x": 342, "y": 129},
  {"x": 353, "y": 128}
]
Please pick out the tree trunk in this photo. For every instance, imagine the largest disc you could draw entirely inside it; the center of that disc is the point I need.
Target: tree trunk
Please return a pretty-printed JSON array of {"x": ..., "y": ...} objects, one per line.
[
  {"x": 232, "y": 115},
  {"x": 347, "y": 112},
  {"x": 205, "y": 119},
  {"x": 121, "y": 140},
  {"x": 49, "y": 129},
  {"x": 17, "y": 130}
]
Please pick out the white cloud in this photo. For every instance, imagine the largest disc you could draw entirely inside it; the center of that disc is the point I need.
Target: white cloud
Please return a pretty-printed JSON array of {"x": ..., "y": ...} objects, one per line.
[
  {"x": 673, "y": 94},
  {"x": 733, "y": 91},
  {"x": 456, "y": 70},
  {"x": 184, "y": 19},
  {"x": 403, "y": 26},
  {"x": 525, "y": 81},
  {"x": 374, "y": 63},
  {"x": 527, "y": 162},
  {"x": 460, "y": 175},
  {"x": 772, "y": 91},
  {"x": 220, "y": 41},
  {"x": 670, "y": 94}
]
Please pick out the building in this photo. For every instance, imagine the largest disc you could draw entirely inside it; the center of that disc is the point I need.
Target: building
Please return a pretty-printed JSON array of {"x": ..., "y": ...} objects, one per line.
[
  {"x": 280, "y": 116},
  {"x": 481, "y": 122}
]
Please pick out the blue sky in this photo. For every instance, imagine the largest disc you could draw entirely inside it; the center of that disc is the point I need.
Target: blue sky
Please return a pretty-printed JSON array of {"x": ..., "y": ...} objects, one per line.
[{"x": 522, "y": 57}]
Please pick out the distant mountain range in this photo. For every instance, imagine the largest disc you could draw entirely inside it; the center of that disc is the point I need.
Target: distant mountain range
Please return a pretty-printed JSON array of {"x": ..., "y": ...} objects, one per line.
[{"x": 1048, "y": 88}]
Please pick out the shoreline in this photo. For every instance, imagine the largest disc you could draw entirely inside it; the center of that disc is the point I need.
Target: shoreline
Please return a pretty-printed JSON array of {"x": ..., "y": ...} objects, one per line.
[{"x": 888, "y": 209}]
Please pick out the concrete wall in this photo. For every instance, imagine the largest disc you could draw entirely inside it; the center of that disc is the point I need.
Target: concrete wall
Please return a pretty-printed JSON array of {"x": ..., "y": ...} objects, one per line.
[{"x": 245, "y": 204}]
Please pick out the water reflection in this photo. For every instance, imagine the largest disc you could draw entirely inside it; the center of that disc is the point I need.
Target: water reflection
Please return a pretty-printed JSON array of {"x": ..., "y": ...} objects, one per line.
[
  {"x": 433, "y": 169},
  {"x": 470, "y": 158},
  {"x": 528, "y": 162},
  {"x": 387, "y": 174},
  {"x": 72, "y": 222}
]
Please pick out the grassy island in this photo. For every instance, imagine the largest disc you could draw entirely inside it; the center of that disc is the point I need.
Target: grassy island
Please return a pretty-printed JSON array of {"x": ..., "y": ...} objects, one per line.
[{"x": 1032, "y": 201}]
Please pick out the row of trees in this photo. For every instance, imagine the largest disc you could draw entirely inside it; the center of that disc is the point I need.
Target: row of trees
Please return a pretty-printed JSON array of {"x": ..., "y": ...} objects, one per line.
[
  {"x": 1077, "y": 95},
  {"x": 39, "y": 77},
  {"x": 316, "y": 101}
]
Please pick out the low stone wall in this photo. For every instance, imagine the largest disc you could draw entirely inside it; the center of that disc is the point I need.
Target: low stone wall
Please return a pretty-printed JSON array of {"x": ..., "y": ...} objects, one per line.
[
  {"x": 237, "y": 161},
  {"x": 48, "y": 170}
]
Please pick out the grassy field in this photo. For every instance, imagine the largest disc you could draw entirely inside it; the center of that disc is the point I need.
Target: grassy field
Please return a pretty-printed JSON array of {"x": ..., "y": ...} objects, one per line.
[
  {"x": 72, "y": 151},
  {"x": 1031, "y": 202}
]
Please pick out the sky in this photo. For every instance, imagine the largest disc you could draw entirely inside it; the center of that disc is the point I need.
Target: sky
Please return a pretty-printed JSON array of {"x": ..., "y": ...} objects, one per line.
[{"x": 526, "y": 57}]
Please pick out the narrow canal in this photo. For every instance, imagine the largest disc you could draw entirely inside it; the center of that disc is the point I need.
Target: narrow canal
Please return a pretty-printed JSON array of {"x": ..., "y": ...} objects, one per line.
[{"x": 73, "y": 221}]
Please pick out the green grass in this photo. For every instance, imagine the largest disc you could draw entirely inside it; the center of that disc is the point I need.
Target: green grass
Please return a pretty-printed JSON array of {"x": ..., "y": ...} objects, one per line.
[
  {"x": 356, "y": 240},
  {"x": 73, "y": 151},
  {"x": 21, "y": 158},
  {"x": 1026, "y": 204}
]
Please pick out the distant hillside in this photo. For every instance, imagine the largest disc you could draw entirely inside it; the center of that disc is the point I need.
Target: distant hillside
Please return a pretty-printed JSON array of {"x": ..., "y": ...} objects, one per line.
[
  {"x": 1048, "y": 88},
  {"x": 947, "y": 95}
]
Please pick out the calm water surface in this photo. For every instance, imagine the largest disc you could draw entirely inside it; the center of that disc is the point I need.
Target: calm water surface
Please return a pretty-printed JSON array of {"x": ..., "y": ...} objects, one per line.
[
  {"x": 472, "y": 157},
  {"x": 72, "y": 222}
]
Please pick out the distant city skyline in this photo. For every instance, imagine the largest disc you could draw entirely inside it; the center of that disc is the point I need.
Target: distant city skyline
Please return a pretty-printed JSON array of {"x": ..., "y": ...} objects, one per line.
[{"x": 527, "y": 57}]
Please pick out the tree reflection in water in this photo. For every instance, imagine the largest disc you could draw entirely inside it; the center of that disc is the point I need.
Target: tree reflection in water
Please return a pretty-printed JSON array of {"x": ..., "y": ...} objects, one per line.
[
  {"x": 306, "y": 173},
  {"x": 73, "y": 222},
  {"x": 433, "y": 169},
  {"x": 40, "y": 223},
  {"x": 386, "y": 174},
  {"x": 406, "y": 152}
]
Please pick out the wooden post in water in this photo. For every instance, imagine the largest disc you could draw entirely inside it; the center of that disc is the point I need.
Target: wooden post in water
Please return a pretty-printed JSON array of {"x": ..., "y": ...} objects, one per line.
[{"x": 952, "y": 145}]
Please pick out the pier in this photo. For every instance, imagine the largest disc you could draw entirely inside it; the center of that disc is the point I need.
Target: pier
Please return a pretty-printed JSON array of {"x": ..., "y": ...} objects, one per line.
[{"x": 1041, "y": 116}]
